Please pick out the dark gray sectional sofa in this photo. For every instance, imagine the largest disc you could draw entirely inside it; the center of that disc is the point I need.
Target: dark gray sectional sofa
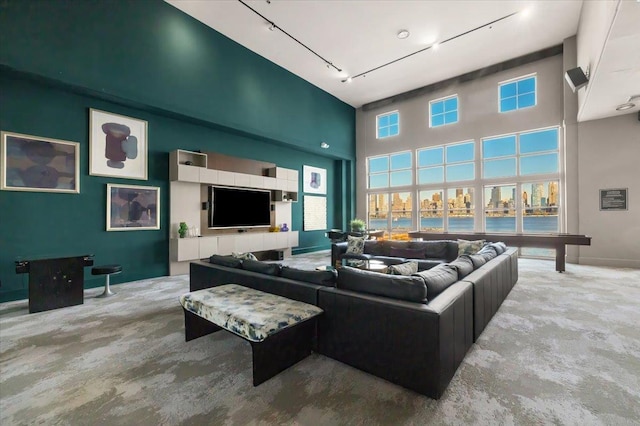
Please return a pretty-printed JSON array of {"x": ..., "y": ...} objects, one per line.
[{"x": 410, "y": 330}]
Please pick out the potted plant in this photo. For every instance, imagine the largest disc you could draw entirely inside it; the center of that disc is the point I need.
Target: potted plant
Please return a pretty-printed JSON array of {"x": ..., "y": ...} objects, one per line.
[
  {"x": 182, "y": 231},
  {"x": 357, "y": 225}
]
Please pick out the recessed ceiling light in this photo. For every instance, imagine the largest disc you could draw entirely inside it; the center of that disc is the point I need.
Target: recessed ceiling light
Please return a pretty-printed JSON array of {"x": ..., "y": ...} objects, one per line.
[
  {"x": 435, "y": 46},
  {"x": 402, "y": 34}
]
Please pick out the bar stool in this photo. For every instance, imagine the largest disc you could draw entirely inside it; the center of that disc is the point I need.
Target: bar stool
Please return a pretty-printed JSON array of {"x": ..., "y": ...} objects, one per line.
[{"x": 107, "y": 270}]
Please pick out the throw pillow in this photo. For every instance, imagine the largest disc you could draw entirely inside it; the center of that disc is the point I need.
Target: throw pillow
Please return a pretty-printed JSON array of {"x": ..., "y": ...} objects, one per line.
[
  {"x": 243, "y": 256},
  {"x": 326, "y": 278},
  {"x": 407, "y": 253},
  {"x": 406, "y": 268},
  {"x": 261, "y": 267},
  {"x": 228, "y": 261},
  {"x": 469, "y": 247},
  {"x": 477, "y": 259},
  {"x": 355, "y": 245}
]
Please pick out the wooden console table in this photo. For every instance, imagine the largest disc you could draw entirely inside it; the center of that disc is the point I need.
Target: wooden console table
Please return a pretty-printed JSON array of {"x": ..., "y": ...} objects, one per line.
[{"x": 554, "y": 241}]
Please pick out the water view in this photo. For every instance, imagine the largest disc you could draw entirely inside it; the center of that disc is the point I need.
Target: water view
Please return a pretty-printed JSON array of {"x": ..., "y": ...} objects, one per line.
[{"x": 531, "y": 224}]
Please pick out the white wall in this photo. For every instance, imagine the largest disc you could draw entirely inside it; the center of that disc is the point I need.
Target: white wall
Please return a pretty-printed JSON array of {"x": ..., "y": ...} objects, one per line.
[{"x": 609, "y": 157}]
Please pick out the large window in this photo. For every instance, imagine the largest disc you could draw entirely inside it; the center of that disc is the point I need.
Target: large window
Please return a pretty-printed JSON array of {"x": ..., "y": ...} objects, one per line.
[
  {"x": 387, "y": 125},
  {"x": 390, "y": 170},
  {"x": 540, "y": 207},
  {"x": 448, "y": 163},
  {"x": 521, "y": 154},
  {"x": 431, "y": 210},
  {"x": 460, "y": 214},
  {"x": 500, "y": 208},
  {"x": 443, "y": 111},
  {"x": 517, "y": 94}
]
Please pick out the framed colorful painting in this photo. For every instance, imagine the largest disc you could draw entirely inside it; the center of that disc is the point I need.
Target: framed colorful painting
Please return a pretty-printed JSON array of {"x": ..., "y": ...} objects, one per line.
[
  {"x": 132, "y": 207},
  {"x": 314, "y": 180},
  {"x": 34, "y": 163},
  {"x": 117, "y": 146}
]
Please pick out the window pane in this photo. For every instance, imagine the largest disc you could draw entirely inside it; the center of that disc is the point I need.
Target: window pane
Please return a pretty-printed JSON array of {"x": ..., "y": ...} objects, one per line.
[
  {"x": 460, "y": 152},
  {"x": 379, "y": 181},
  {"x": 401, "y": 212},
  {"x": 460, "y": 201},
  {"x": 507, "y": 90},
  {"x": 456, "y": 172},
  {"x": 437, "y": 107},
  {"x": 401, "y": 161},
  {"x": 430, "y": 157},
  {"x": 401, "y": 178},
  {"x": 383, "y": 132},
  {"x": 431, "y": 175},
  {"x": 499, "y": 147},
  {"x": 508, "y": 104},
  {"x": 378, "y": 211},
  {"x": 378, "y": 164},
  {"x": 500, "y": 213},
  {"x": 537, "y": 164},
  {"x": 394, "y": 130},
  {"x": 383, "y": 121},
  {"x": 451, "y": 104},
  {"x": 527, "y": 85},
  {"x": 499, "y": 168},
  {"x": 545, "y": 140},
  {"x": 431, "y": 211},
  {"x": 527, "y": 100},
  {"x": 437, "y": 120},
  {"x": 451, "y": 117},
  {"x": 393, "y": 118},
  {"x": 540, "y": 207}
]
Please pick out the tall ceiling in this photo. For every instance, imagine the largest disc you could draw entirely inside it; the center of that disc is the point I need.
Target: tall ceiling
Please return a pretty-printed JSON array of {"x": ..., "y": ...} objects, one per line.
[{"x": 354, "y": 37}]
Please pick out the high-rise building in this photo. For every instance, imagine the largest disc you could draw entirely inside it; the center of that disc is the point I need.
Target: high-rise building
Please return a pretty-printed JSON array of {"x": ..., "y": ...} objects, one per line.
[
  {"x": 537, "y": 191},
  {"x": 553, "y": 194},
  {"x": 495, "y": 197},
  {"x": 525, "y": 199}
]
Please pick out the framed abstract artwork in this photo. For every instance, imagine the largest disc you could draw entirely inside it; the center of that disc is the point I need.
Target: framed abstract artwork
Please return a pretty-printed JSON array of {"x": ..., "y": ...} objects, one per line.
[
  {"x": 33, "y": 163},
  {"x": 132, "y": 207},
  {"x": 117, "y": 146},
  {"x": 314, "y": 180}
]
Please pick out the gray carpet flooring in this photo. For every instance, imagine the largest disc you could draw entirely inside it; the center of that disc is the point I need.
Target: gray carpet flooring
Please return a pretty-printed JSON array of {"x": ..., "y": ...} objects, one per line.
[{"x": 562, "y": 349}]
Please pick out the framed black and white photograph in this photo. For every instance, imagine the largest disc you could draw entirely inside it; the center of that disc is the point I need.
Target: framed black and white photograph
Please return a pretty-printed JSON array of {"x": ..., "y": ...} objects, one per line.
[
  {"x": 117, "y": 146},
  {"x": 34, "y": 163},
  {"x": 314, "y": 180},
  {"x": 132, "y": 207}
]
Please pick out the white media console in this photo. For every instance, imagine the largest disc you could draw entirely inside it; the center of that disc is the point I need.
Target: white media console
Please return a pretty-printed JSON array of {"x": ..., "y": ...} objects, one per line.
[{"x": 190, "y": 177}]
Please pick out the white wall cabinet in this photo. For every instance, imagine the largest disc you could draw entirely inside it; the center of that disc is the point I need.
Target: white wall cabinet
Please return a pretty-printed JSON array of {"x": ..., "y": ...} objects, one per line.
[{"x": 188, "y": 173}]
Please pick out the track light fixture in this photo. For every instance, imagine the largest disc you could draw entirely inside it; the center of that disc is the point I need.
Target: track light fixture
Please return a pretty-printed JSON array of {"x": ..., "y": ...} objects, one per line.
[
  {"x": 324, "y": 145},
  {"x": 273, "y": 26},
  {"x": 433, "y": 46}
]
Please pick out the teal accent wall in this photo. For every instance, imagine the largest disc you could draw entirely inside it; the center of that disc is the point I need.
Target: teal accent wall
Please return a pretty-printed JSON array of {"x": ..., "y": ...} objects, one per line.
[{"x": 198, "y": 91}]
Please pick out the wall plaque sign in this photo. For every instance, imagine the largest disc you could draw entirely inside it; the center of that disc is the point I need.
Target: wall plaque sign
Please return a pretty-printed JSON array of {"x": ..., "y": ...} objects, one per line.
[{"x": 614, "y": 199}]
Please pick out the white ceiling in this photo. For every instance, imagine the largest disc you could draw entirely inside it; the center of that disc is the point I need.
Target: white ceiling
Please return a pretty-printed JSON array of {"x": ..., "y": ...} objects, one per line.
[{"x": 358, "y": 35}]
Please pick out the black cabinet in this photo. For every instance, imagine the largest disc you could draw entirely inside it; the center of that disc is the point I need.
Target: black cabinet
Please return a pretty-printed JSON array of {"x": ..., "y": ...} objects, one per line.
[{"x": 55, "y": 283}]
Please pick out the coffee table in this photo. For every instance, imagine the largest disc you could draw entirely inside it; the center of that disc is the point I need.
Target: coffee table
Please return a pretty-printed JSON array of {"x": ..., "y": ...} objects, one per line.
[{"x": 368, "y": 265}]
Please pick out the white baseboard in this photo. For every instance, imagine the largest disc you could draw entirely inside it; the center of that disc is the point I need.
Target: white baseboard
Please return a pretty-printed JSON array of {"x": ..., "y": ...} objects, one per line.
[{"x": 603, "y": 261}]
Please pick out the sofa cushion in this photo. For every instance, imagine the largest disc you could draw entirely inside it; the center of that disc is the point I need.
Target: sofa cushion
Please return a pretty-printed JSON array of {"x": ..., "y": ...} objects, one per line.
[
  {"x": 406, "y": 252},
  {"x": 469, "y": 247},
  {"x": 477, "y": 259},
  {"x": 244, "y": 256},
  {"x": 499, "y": 246},
  {"x": 406, "y": 268},
  {"x": 261, "y": 267},
  {"x": 388, "y": 260},
  {"x": 463, "y": 265},
  {"x": 438, "y": 279},
  {"x": 488, "y": 252},
  {"x": 424, "y": 264},
  {"x": 431, "y": 249},
  {"x": 355, "y": 245},
  {"x": 228, "y": 261},
  {"x": 326, "y": 278},
  {"x": 409, "y": 288},
  {"x": 377, "y": 247}
]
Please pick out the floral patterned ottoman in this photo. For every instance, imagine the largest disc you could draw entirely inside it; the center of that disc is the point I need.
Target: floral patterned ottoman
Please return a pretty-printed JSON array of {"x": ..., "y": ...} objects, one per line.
[{"x": 280, "y": 330}]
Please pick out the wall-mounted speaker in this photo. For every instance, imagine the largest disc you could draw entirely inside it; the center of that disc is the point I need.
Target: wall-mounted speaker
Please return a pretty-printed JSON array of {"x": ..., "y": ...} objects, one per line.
[{"x": 576, "y": 78}]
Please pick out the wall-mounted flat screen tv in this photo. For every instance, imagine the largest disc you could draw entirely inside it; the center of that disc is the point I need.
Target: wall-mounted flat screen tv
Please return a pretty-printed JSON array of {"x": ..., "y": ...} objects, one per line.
[{"x": 237, "y": 208}]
